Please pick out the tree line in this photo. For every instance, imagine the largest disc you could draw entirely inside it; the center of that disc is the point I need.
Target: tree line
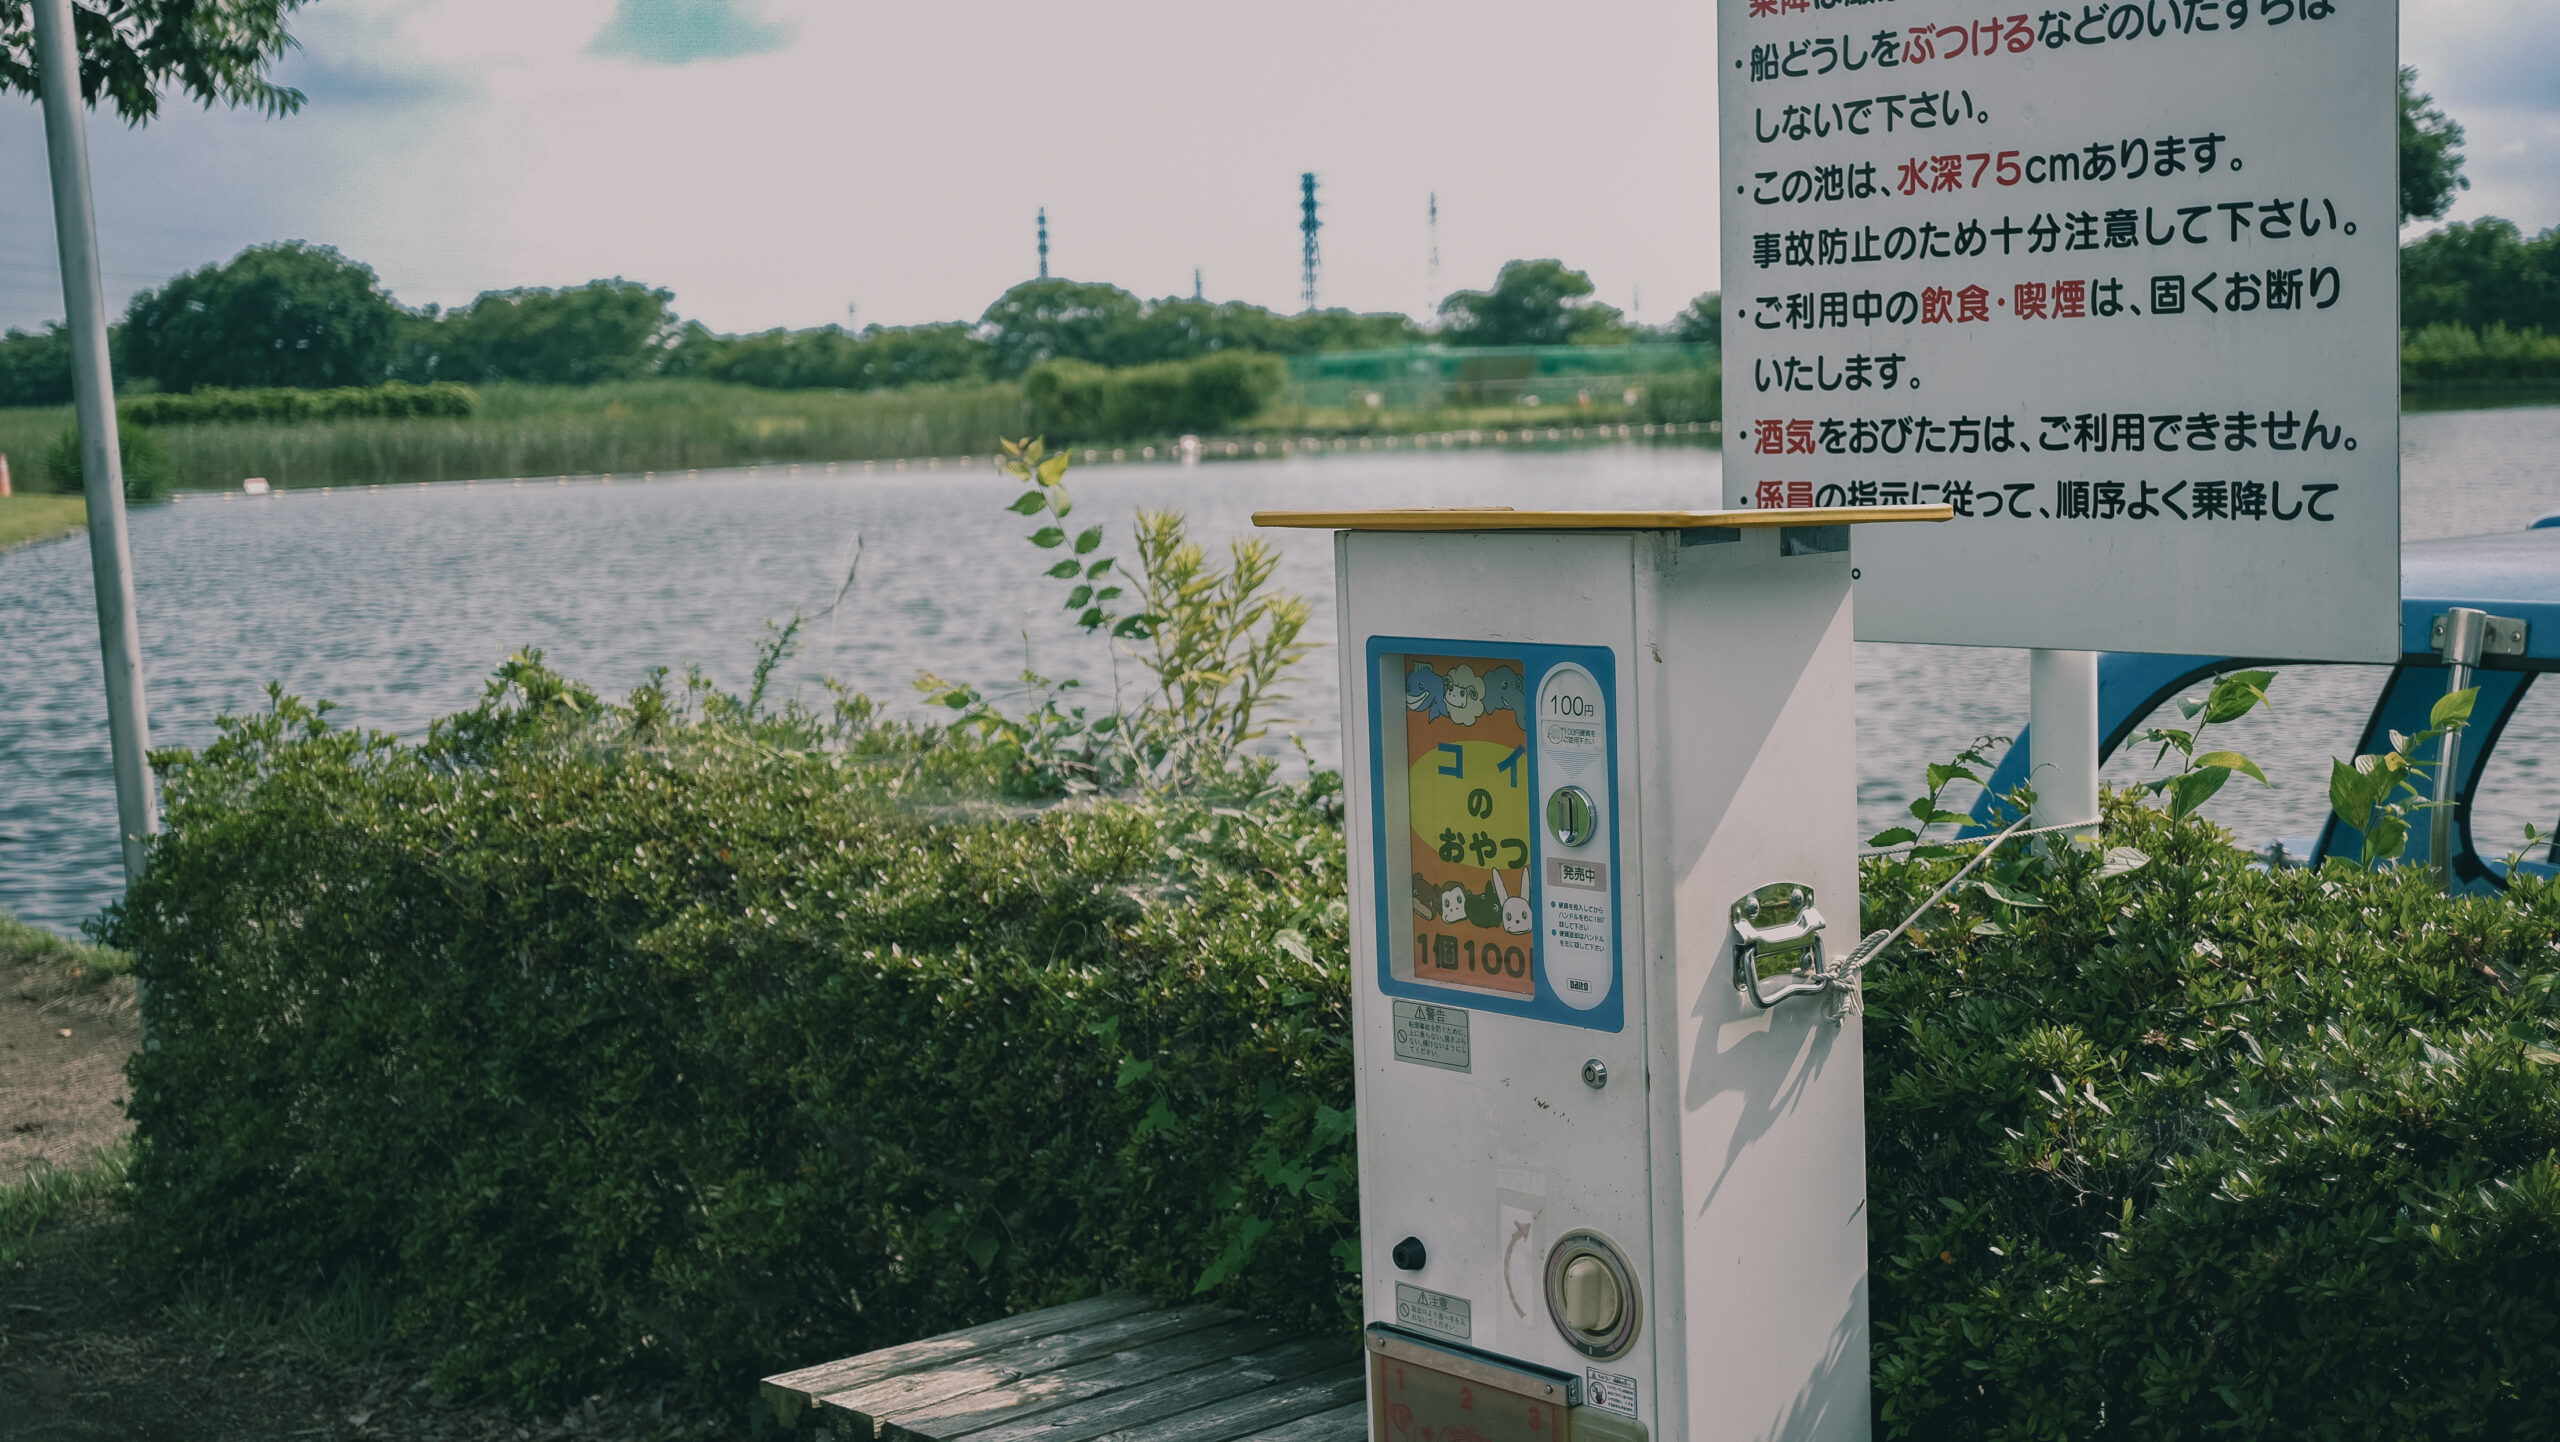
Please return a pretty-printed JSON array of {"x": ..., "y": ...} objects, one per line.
[
  {"x": 304, "y": 316},
  {"x": 292, "y": 314}
]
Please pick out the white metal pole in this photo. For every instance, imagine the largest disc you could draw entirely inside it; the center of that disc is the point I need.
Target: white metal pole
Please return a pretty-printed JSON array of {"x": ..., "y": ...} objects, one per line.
[
  {"x": 2062, "y": 736},
  {"x": 93, "y": 397}
]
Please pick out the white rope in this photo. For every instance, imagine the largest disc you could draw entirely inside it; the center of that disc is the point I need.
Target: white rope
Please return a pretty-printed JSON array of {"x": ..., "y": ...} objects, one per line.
[
  {"x": 1994, "y": 838},
  {"x": 1843, "y": 975}
]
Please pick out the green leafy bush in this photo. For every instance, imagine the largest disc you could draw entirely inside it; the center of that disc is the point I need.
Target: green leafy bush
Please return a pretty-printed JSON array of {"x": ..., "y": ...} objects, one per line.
[
  {"x": 392, "y": 400},
  {"x": 679, "y": 1035},
  {"x": 146, "y": 464},
  {"x": 2164, "y": 1145},
  {"x": 1077, "y": 401},
  {"x": 1217, "y": 638}
]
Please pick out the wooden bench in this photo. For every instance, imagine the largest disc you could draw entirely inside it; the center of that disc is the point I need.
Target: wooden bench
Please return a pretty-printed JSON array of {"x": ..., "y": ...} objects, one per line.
[{"x": 1119, "y": 1368}]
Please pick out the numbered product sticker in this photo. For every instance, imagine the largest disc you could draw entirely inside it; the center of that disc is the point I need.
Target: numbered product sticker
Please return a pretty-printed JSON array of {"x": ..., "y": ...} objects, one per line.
[{"x": 1466, "y": 752}]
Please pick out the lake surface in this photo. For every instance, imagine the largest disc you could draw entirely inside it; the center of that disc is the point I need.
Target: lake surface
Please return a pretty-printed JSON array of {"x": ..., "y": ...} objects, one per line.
[{"x": 396, "y": 603}]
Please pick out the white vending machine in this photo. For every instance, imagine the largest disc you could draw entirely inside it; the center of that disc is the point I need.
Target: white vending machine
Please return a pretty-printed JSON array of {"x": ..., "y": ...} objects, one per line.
[{"x": 1602, "y": 775}]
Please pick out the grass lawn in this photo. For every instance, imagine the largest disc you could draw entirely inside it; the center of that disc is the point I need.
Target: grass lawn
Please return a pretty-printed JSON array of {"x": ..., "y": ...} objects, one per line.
[{"x": 38, "y": 518}]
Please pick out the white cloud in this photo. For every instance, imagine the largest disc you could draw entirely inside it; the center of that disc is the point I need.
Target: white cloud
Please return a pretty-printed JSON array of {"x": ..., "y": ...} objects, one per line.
[
  {"x": 892, "y": 155},
  {"x": 2494, "y": 67}
]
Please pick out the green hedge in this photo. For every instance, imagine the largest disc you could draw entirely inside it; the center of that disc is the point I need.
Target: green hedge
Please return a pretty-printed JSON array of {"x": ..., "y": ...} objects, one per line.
[
  {"x": 2449, "y": 354},
  {"x": 2199, "y": 1150},
  {"x": 615, "y": 1038},
  {"x": 392, "y": 400},
  {"x": 1074, "y": 401},
  {"x": 667, "y": 1036}
]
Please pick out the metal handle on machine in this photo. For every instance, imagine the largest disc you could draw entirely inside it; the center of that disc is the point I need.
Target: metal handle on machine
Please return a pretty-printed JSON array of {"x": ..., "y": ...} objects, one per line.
[{"x": 1778, "y": 923}]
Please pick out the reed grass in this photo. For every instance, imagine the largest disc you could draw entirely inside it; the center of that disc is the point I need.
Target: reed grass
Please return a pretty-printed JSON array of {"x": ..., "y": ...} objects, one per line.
[
  {"x": 26, "y": 433},
  {"x": 634, "y": 426},
  {"x": 660, "y": 425}
]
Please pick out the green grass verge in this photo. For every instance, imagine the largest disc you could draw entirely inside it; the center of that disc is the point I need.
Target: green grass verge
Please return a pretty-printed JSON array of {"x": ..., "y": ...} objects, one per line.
[
  {"x": 47, "y": 1194},
  {"x": 24, "y": 945},
  {"x": 39, "y": 518}
]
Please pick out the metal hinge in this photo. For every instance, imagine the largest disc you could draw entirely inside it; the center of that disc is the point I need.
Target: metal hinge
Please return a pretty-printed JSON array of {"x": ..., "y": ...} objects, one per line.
[{"x": 2499, "y": 635}]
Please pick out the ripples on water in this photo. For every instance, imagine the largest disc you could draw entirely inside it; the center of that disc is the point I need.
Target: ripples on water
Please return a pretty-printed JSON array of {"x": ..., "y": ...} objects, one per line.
[{"x": 397, "y": 603}]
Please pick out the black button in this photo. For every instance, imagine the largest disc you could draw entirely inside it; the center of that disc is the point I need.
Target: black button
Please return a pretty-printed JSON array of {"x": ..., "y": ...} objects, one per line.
[{"x": 1409, "y": 1254}]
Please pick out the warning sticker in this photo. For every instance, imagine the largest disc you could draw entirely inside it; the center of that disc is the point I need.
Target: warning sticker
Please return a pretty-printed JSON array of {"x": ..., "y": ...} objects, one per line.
[
  {"x": 1612, "y": 1391},
  {"x": 1431, "y": 1035},
  {"x": 1425, "y": 1310}
]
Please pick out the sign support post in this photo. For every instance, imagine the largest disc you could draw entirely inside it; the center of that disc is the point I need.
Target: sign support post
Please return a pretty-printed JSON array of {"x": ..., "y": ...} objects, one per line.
[
  {"x": 93, "y": 394},
  {"x": 2062, "y": 737}
]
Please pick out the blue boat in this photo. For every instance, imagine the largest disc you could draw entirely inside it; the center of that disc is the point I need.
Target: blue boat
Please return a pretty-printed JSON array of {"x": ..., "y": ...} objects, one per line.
[{"x": 2515, "y": 574}]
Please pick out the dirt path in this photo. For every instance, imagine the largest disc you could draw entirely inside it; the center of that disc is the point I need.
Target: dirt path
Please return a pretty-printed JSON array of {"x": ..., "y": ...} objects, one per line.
[{"x": 64, "y": 1038}]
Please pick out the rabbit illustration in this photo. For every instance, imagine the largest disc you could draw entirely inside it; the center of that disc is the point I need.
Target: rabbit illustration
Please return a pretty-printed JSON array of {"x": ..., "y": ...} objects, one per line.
[{"x": 1515, "y": 909}]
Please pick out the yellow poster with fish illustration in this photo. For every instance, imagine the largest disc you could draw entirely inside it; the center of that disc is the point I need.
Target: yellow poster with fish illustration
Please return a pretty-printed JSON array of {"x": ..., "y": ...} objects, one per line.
[{"x": 1468, "y": 783}]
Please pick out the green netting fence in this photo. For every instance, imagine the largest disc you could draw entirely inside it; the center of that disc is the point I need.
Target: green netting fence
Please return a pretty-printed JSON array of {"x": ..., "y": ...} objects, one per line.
[{"x": 1437, "y": 377}]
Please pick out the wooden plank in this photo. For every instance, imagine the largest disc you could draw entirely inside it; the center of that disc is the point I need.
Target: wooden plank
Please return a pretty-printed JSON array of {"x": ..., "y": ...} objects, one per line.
[
  {"x": 1256, "y": 1411},
  {"x": 919, "y": 1393},
  {"x": 1038, "y": 1392},
  {"x": 1223, "y": 1377},
  {"x": 790, "y": 1393},
  {"x": 1342, "y": 1424},
  {"x": 1504, "y": 518}
]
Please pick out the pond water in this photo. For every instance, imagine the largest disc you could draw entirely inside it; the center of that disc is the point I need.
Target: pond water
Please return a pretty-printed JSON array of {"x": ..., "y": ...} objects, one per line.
[{"x": 396, "y": 603}]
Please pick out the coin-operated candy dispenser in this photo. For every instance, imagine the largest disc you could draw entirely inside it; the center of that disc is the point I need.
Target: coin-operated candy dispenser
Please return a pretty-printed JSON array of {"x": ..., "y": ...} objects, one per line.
[{"x": 1601, "y": 770}]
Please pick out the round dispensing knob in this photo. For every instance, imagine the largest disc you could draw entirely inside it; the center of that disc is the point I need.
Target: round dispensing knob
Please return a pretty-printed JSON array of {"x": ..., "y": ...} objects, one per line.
[
  {"x": 1408, "y": 1255},
  {"x": 1593, "y": 1296},
  {"x": 1592, "y": 1299},
  {"x": 1571, "y": 818}
]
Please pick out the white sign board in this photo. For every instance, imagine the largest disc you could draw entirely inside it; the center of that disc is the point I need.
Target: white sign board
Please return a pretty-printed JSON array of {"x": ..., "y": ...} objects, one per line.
[{"x": 2119, "y": 282}]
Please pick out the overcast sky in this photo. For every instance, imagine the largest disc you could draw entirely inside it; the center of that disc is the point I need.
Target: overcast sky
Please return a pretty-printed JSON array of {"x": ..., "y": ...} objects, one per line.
[{"x": 776, "y": 161}]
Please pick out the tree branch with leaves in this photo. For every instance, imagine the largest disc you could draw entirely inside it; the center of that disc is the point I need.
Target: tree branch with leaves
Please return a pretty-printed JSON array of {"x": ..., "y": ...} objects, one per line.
[{"x": 214, "y": 52}]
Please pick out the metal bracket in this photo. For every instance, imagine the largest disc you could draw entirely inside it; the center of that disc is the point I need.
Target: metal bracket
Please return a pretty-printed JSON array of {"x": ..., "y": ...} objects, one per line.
[
  {"x": 1777, "y": 936},
  {"x": 2499, "y": 635}
]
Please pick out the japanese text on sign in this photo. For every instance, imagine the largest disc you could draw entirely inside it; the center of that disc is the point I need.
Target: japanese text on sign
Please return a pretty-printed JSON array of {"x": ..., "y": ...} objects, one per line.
[{"x": 2124, "y": 271}]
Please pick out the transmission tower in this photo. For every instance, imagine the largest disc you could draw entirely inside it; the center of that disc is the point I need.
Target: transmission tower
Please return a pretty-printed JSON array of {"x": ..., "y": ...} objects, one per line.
[
  {"x": 1196, "y": 292},
  {"x": 1434, "y": 298},
  {"x": 1308, "y": 225},
  {"x": 1044, "y": 242}
]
